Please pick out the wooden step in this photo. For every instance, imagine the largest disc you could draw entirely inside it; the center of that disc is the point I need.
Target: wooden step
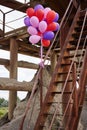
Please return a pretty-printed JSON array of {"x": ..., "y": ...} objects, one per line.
[
  {"x": 77, "y": 34},
  {"x": 74, "y": 48},
  {"x": 76, "y": 41},
  {"x": 62, "y": 81},
  {"x": 71, "y": 56},
  {"x": 78, "y": 29},
  {"x": 56, "y": 92},
  {"x": 52, "y": 102},
  {"x": 63, "y": 73}
]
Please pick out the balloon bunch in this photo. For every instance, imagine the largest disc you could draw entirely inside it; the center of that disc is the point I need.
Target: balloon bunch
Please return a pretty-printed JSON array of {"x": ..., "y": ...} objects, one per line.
[{"x": 41, "y": 23}]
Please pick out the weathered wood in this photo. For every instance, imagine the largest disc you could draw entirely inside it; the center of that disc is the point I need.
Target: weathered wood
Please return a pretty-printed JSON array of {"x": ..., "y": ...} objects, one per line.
[
  {"x": 22, "y": 64},
  {"x": 13, "y": 74},
  {"x": 14, "y": 85}
]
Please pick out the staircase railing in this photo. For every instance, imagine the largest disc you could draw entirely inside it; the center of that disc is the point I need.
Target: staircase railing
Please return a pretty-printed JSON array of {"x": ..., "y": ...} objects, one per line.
[
  {"x": 68, "y": 78},
  {"x": 47, "y": 54}
]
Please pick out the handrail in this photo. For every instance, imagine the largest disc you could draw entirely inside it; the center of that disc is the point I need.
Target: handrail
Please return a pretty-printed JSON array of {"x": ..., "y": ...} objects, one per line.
[
  {"x": 69, "y": 73},
  {"x": 47, "y": 54}
]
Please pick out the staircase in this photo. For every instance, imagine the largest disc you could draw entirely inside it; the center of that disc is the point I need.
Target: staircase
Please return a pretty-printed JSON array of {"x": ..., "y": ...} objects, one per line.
[{"x": 64, "y": 99}]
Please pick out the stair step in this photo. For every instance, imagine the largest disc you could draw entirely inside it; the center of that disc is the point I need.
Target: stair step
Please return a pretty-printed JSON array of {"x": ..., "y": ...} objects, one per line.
[
  {"x": 56, "y": 82},
  {"x": 56, "y": 92},
  {"x": 52, "y": 102},
  {"x": 80, "y": 22},
  {"x": 79, "y": 28},
  {"x": 61, "y": 93},
  {"x": 63, "y": 73},
  {"x": 71, "y": 56},
  {"x": 61, "y": 115},
  {"x": 74, "y": 48},
  {"x": 76, "y": 35},
  {"x": 76, "y": 41}
]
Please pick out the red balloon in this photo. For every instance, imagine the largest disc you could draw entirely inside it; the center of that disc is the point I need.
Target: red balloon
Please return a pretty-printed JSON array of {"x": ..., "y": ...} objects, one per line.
[
  {"x": 39, "y": 33},
  {"x": 30, "y": 12},
  {"x": 50, "y": 16},
  {"x": 45, "y": 43},
  {"x": 40, "y": 14},
  {"x": 52, "y": 26}
]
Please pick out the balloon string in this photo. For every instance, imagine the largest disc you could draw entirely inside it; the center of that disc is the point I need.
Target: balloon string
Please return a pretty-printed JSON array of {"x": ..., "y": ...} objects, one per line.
[{"x": 41, "y": 53}]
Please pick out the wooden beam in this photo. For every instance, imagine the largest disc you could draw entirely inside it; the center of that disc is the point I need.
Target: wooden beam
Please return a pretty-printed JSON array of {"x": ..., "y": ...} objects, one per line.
[
  {"x": 22, "y": 64},
  {"x": 14, "y": 5},
  {"x": 14, "y": 85}
]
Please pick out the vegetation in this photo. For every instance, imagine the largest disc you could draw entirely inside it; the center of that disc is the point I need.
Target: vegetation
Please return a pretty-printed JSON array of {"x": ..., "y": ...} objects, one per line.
[
  {"x": 3, "y": 111},
  {"x": 3, "y": 107}
]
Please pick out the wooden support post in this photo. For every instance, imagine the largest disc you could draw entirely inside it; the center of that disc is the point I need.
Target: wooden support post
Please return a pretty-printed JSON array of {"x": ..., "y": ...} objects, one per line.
[{"x": 13, "y": 74}]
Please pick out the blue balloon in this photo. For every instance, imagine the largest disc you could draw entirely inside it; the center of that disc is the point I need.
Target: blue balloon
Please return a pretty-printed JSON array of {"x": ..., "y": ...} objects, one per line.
[
  {"x": 48, "y": 35},
  {"x": 27, "y": 21}
]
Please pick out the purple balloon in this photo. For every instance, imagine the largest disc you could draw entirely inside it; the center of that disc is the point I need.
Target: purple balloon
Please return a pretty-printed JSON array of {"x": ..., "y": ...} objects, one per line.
[
  {"x": 42, "y": 26},
  {"x": 56, "y": 18},
  {"x": 39, "y": 6},
  {"x": 31, "y": 30},
  {"x": 27, "y": 21},
  {"x": 48, "y": 35},
  {"x": 57, "y": 26},
  {"x": 34, "y": 39},
  {"x": 34, "y": 21}
]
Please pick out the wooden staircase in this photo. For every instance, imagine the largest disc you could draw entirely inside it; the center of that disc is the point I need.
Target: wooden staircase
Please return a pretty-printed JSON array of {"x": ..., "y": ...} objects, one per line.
[{"x": 64, "y": 99}]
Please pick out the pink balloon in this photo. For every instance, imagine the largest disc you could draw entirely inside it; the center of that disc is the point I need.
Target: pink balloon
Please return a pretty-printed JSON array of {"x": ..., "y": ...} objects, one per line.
[
  {"x": 34, "y": 39},
  {"x": 34, "y": 21},
  {"x": 31, "y": 30},
  {"x": 46, "y": 10},
  {"x": 42, "y": 26}
]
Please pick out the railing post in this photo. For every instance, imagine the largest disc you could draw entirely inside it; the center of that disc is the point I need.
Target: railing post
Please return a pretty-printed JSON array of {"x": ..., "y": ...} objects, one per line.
[{"x": 75, "y": 93}]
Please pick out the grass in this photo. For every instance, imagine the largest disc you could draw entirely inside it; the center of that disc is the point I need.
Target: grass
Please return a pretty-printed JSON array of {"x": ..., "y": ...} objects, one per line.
[{"x": 3, "y": 111}]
